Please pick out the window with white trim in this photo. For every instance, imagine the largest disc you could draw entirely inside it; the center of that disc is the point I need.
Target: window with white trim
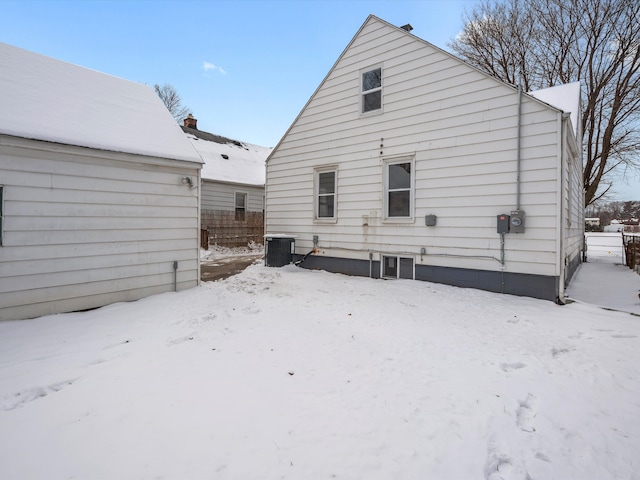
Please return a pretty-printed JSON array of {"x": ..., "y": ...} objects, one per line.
[
  {"x": 371, "y": 90},
  {"x": 326, "y": 182},
  {"x": 394, "y": 266},
  {"x": 241, "y": 206},
  {"x": 399, "y": 189}
]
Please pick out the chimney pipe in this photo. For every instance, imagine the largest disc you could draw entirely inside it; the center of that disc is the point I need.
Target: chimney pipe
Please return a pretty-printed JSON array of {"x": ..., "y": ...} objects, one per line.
[{"x": 191, "y": 122}]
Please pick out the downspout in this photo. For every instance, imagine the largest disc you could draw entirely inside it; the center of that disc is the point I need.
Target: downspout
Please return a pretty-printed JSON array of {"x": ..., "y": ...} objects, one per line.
[
  {"x": 199, "y": 210},
  {"x": 562, "y": 220},
  {"x": 518, "y": 154}
]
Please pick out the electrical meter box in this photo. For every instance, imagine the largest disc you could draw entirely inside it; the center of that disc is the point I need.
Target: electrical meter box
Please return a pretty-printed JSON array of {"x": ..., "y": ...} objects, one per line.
[
  {"x": 503, "y": 223},
  {"x": 517, "y": 221}
]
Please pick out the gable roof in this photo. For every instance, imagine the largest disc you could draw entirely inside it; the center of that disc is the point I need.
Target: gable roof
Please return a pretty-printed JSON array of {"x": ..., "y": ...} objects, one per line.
[
  {"x": 228, "y": 160},
  {"x": 46, "y": 99},
  {"x": 403, "y": 31}
]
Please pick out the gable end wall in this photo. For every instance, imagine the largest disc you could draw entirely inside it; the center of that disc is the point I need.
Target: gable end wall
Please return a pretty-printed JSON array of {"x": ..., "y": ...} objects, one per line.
[{"x": 460, "y": 128}]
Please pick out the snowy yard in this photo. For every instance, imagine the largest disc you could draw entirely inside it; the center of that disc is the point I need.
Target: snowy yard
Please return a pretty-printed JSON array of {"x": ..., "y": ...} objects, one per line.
[{"x": 296, "y": 374}]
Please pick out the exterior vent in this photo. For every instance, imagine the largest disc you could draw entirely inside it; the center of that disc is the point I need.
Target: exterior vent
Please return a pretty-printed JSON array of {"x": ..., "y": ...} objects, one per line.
[
  {"x": 225, "y": 156},
  {"x": 407, "y": 27}
]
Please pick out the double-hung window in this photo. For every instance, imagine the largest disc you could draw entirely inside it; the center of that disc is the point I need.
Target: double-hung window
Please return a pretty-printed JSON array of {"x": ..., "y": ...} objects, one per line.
[
  {"x": 326, "y": 181},
  {"x": 241, "y": 206},
  {"x": 399, "y": 189},
  {"x": 371, "y": 91}
]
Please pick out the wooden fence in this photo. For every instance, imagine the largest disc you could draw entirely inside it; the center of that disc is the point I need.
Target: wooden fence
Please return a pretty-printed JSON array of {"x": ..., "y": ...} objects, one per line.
[
  {"x": 632, "y": 250},
  {"x": 221, "y": 228}
]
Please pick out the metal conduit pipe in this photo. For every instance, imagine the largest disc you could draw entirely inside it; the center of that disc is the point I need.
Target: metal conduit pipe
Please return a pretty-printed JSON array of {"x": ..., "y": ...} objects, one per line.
[{"x": 518, "y": 155}]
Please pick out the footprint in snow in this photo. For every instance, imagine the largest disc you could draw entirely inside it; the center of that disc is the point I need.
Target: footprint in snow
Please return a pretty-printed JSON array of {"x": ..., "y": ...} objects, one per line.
[
  {"x": 526, "y": 413},
  {"x": 500, "y": 465},
  {"x": 510, "y": 367},
  {"x": 31, "y": 394}
]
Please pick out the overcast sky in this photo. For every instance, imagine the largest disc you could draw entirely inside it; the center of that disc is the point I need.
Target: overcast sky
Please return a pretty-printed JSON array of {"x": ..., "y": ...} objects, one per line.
[{"x": 244, "y": 68}]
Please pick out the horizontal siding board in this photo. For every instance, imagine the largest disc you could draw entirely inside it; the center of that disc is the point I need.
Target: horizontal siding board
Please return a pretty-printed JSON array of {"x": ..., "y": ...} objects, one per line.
[
  {"x": 78, "y": 275},
  {"x": 73, "y": 237},
  {"x": 55, "y": 252}
]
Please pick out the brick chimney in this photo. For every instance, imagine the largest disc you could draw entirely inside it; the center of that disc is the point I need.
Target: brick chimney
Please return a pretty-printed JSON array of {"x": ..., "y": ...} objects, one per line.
[{"x": 191, "y": 122}]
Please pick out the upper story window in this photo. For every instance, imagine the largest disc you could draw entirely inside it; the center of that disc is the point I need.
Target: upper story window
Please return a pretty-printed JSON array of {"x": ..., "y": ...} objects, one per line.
[
  {"x": 372, "y": 90},
  {"x": 399, "y": 189},
  {"x": 326, "y": 194},
  {"x": 241, "y": 206}
]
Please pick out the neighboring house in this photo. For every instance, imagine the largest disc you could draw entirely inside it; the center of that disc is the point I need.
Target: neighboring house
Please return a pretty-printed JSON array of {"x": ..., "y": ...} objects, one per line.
[
  {"x": 99, "y": 188},
  {"x": 232, "y": 200},
  {"x": 406, "y": 162},
  {"x": 592, "y": 221}
]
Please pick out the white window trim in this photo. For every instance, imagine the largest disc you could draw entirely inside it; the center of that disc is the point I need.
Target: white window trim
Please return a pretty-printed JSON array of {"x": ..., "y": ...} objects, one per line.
[
  {"x": 397, "y": 257},
  {"x": 385, "y": 190},
  {"x": 362, "y": 92},
  {"x": 316, "y": 190}
]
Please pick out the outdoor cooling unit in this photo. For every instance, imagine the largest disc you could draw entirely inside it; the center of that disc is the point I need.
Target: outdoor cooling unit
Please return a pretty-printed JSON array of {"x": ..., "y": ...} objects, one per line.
[{"x": 278, "y": 250}]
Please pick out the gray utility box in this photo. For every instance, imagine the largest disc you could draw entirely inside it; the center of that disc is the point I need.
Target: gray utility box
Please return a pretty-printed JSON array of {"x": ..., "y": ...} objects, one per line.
[
  {"x": 278, "y": 250},
  {"x": 517, "y": 221},
  {"x": 503, "y": 223}
]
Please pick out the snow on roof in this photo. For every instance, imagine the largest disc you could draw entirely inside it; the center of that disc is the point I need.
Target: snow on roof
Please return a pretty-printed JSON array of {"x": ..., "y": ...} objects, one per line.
[
  {"x": 228, "y": 160},
  {"x": 47, "y": 99},
  {"x": 565, "y": 97}
]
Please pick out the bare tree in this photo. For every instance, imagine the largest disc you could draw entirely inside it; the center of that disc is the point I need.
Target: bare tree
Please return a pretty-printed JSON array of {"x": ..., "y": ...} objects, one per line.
[
  {"x": 169, "y": 96},
  {"x": 543, "y": 43}
]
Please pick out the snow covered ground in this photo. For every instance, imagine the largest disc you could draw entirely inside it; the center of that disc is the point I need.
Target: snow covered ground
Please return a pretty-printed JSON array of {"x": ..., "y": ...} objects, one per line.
[{"x": 297, "y": 374}]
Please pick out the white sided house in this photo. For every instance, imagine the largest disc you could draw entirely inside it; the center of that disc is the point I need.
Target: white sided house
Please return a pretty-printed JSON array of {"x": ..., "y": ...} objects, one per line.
[
  {"x": 233, "y": 175},
  {"x": 99, "y": 190},
  {"x": 407, "y": 162}
]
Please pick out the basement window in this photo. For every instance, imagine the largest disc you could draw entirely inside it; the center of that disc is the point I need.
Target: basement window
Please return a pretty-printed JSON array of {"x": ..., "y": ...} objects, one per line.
[
  {"x": 371, "y": 90},
  {"x": 241, "y": 206},
  {"x": 397, "y": 267}
]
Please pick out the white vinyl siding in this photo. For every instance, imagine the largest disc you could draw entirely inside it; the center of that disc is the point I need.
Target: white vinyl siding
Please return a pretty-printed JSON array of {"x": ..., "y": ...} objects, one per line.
[
  {"x": 84, "y": 229},
  {"x": 221, "y": 196},
  {"x": 460, "y": 128},
  {"x": 1, "y": 210}
]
